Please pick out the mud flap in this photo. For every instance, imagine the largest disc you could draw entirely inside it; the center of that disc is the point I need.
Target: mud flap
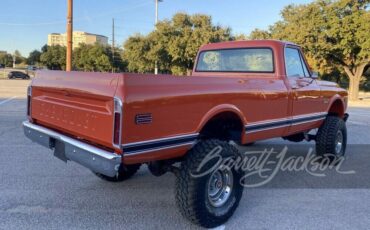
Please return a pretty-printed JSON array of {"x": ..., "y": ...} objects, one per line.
[{"x": 59, "y": 150}]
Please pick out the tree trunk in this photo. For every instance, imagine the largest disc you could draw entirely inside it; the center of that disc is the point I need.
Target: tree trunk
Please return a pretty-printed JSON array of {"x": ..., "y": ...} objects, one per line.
[
  {"x": 189, "y": 72},
  {"x": 354, "y": 88},
  {"x": 354, "y": 75}
]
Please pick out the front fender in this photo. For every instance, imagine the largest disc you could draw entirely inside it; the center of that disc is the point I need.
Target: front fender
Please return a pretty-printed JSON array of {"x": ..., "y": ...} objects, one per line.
[{"x": 337, "y": 105}]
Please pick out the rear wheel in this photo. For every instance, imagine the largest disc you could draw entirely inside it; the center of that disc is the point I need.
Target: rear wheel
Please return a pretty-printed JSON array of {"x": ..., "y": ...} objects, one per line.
[
  {"x": 124, "y": 173},
  {"x": 211, "y": 199},
  {"x": 331, "y": 138},
  {"x": 249, "y": 144}
]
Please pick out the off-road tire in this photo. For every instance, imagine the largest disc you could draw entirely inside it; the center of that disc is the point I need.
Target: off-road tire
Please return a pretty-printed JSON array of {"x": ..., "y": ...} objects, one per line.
[
  {"x": 326, "y": 138},
  {"x": 124, "y": 173},
  {"x": 192, "y": 192},
  {"x": 250, "y": 144}
]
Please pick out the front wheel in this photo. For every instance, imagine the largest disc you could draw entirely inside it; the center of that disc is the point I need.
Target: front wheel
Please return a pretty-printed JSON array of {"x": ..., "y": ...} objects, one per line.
[
  {"x": 331, "y": 138},
  {"x": 208, "y": 195}
]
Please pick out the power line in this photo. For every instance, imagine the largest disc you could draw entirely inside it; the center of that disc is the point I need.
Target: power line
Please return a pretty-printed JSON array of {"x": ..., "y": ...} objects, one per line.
[{"x": 47, "y": 23}]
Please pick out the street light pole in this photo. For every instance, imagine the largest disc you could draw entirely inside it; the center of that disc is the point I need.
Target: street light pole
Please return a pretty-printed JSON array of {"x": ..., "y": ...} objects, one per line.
[
  {"x": 156, "y": 22},
  {"x": 69, "y": 34}
]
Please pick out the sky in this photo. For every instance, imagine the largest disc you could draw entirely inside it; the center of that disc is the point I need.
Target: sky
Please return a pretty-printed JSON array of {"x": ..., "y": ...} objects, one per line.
[{"x": 25, "y": 24}]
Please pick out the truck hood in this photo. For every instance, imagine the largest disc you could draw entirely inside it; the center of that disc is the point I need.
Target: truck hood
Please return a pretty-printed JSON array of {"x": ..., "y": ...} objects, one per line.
[{"x": 327, "y": 83}]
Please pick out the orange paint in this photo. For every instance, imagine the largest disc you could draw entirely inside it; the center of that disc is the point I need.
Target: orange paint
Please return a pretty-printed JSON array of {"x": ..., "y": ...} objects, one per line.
[{"x": 81, "y": 104}]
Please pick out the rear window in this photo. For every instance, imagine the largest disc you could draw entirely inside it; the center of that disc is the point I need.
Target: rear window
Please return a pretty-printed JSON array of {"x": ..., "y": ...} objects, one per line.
[{"x": 236, "y": 60}]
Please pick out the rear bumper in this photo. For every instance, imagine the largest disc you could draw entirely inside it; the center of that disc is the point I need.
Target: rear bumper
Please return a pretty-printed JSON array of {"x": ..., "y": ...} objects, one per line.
[{"x": 66, "y": 148}]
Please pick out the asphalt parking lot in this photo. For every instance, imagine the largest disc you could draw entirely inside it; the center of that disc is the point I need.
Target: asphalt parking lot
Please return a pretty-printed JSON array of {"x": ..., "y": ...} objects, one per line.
[{"x": 37, "y": 191}]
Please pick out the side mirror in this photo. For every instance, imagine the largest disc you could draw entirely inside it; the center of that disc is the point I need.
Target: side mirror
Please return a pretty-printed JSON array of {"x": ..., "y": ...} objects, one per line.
[{"x": 315, "y": 75}]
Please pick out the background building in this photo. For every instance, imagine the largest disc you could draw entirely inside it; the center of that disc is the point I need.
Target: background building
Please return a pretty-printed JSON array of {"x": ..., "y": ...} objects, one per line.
[{"x": 78, "y": 38}]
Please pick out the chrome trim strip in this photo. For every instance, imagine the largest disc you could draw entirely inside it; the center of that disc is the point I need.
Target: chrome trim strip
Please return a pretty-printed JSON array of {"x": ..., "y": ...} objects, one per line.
[
  {"x": 89, "y": 148},
  {"x": 303, "y": 122},
  {"x": 159, "y": 144},
  {"x": 160, "y": 148},
  {"x": 268, "y": 128},
  {"x": 119, "y": 101},
  {"x": 29, "y": 101},
  {"x": 310, "y": 115},
  {"x": 266, "y": 122},
  {"x": 132, "y": 144},
  {"x": 274, "y": 124},
  {"x": 271, "y": 121}
]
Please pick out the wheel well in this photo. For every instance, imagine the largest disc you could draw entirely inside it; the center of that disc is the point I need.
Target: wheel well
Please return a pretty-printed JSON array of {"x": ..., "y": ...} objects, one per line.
[
  {"x": 337, "y": 108},
  {"x": 224, "y": 126}
]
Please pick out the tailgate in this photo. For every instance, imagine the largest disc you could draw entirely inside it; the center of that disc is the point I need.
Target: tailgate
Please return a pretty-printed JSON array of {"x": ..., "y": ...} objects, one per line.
[{"x": 76, "y": 103}]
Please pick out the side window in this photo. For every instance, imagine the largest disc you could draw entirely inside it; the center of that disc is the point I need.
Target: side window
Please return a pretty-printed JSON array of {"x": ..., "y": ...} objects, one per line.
[{"x": 293, "y": 64}]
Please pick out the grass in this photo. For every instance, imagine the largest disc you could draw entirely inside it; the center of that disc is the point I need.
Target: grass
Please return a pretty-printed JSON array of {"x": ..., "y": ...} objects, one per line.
[{"x": 3, "y": 74}]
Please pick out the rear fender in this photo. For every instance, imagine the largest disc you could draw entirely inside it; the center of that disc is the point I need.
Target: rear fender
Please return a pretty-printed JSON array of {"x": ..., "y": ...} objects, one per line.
[{"x": 221, "y": 109}]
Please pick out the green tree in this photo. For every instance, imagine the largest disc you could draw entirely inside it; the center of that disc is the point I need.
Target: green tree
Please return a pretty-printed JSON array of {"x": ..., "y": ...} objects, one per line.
[
  {"x": 135, "y": 53},
  {"x": 191, "y": 32},
  {"x": 257, "y": 34},
  {"x": 54, "y": 57},
  {"x": 34, "y": 57},
  {"x": 44, "y": 48},
  {"x": 173, "y": 45},
  {"x": 18, "y": 57},
  {"x": 6, "y": 59},
  {"x": 241, "y": 37},
  {"x": 334, "y": 34},
  {"x": 97, "y": 58}
]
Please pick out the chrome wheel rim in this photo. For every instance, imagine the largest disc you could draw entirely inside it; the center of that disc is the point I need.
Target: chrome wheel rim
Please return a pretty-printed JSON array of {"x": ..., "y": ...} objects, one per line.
[
  {"x": 220, "y": 185},
  {"x": 339, "y": 142}
]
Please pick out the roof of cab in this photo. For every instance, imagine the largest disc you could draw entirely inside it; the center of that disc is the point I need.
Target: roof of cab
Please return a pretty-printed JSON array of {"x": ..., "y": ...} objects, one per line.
[{"x": 245, "y": 44}]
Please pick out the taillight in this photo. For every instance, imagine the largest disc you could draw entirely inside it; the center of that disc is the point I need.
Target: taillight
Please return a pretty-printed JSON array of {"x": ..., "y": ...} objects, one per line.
[
  {"x": 29, "y": 97},
  {"x": 117, "y": 122}
]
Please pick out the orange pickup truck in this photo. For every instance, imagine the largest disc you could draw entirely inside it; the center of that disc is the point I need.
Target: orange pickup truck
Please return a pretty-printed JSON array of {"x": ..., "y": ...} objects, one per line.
[{"x": 239, "y": 92}]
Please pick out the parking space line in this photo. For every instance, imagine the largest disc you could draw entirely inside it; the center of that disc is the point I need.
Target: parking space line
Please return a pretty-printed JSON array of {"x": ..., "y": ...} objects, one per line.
[
  {"x": 7, "y": 100},
  {"x": 358, "y": 123},
  {"x": 221, "y": 227},
  {"x": 361, "y": 114}
]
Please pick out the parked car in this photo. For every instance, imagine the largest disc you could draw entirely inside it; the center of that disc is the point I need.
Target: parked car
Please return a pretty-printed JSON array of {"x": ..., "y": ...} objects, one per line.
[
  {"x": 32, "y": 68},
  {"x": 240, "y": 91},
  {"x": 18, "y": 74},
  {"x": 2, "y": 66}
]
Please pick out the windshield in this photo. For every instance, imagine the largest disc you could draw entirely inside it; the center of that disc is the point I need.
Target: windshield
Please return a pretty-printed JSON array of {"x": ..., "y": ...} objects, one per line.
[{"x": 236, "y": 60}]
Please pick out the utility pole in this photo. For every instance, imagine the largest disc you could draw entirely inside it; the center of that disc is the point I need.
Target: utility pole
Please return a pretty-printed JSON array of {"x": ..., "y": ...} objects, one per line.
[
  {"x": 69, "y": 34},
  {"x": 113, "y": 44},
  {"x": 156, "y": 22}
]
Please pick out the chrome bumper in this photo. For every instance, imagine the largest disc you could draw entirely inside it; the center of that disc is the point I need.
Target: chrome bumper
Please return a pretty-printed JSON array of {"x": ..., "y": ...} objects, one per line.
[{"x": 66, "y": 148}]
